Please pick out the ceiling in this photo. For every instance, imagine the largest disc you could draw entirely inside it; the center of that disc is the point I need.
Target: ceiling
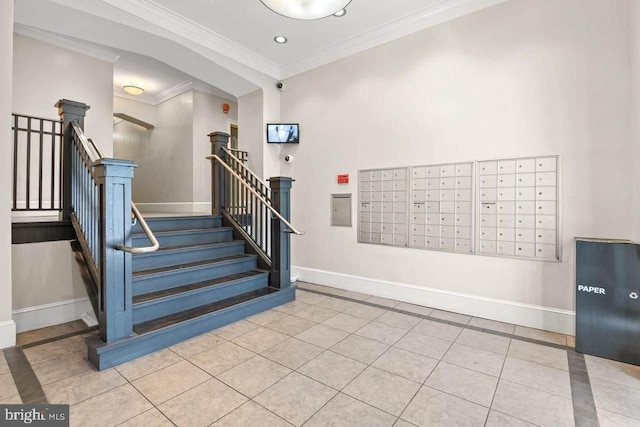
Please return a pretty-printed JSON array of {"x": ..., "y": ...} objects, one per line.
[{"x": 229, "y": 44}]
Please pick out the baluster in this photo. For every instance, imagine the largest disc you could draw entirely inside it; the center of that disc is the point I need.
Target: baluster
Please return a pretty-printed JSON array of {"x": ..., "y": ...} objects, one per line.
[
  {"x": 53, "y": 164},
  {"x": 41, "y": 153},
  {"x": 28, "y": 182}
]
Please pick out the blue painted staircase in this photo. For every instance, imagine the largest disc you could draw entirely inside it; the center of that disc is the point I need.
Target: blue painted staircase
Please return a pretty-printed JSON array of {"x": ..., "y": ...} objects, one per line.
[{"x": 200, "y": 279}]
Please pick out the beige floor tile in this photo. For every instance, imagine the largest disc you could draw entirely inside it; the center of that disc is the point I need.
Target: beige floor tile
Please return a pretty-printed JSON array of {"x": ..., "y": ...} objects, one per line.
[
  {"x": 203, "y": 404},
  {"x": 4, "y": 367},
  {"x": 346, "y": 322},
  {"x": 333, "y": 369},
  {"x": 540, "y": 335},
  {"x": 356, "y": 295},
  {"x": 541, "y": 354},
  {"x": 498, "y": 419},
  {"x": 463, "y": 383},
  {"x": 291, "y": 307},
  {"x": 432, "y": 408},
  {"x": 505, "y": 328},
  {"x": 260, "y": 339},
  {"x": 616, "y": 398},
  {"x": 322, "y": 336},
  {"x": 292, "y": 353},
  {"x": 83, "y": 386},
  {"x": 381, "y": 332},
  {"x": 13, "y": 400},
  {"x": 236, "y": 329},
  {"x": 365, "y": 311},
  {"x": 609, "y": 419},
  {"x": 398, "y": 320},
  {"x": 424, "y": 345},
  {"x": 110, "y": 408},
  {"x": 316, "y": 314},
  {"x": 344, "y": 410},
  {"x": 412, "y": 308},
  {"x": 151, "y": 418},
  {"x": 336, "y": 304},
  {"x": 291, "y": 325},
  {"x": 534, "y": 406},
  {"x": 309, "y": 298},
  {"x": 360, "y": 348},
  {"x": 196, "y": 345},
  {"x": 50, "y": 371},
  {"x": 254, "y": 376},
  {"x": 171, "y": 381},
  {"x": 540, "y": 377},
  {"x": 612, "y": 371},
  {"x": 406, "y": 364},
  {"x": 403, "y": 423},
  {"x": 475, "y": 359},
  {"x": 382, "y": 390},
  {"x": 43, "y": 333},
  {"x": 145, "y": 365},
  {"x": 437, "y": 330},
  {"x": 251, "y": 415},
  {"x": 450, "y": 317},
  {"x": 66, "y": 347},
  {"x": 295, "y": 398},
  {"x": 7, "y": 386},
  {"x": 221, "y": 358},
  {"x": 484, "y": 341},
  {"x": 386, "y": 302},
  {"x": 265, "y": 317}
]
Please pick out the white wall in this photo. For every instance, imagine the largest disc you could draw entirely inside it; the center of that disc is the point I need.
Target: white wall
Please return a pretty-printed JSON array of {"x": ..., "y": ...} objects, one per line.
[
  {"x": 525, "y": 78},
  {"x": 7, "y": 326},
  {"x": 635, "y": 111},
  {"x": 45, "y": 73}
]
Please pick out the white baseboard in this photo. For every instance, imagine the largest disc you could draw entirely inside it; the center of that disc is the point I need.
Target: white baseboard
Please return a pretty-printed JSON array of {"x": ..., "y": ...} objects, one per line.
[
  {"x": 7, "y": 334},
  {"x": 176, "y": 207},
  {"x": 546, "y": 318},
  {"x": 30, "y": 318}
]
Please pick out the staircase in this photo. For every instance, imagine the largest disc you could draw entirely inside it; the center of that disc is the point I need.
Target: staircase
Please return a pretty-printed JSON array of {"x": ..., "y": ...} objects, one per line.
[{"x": 200, "y": 279}]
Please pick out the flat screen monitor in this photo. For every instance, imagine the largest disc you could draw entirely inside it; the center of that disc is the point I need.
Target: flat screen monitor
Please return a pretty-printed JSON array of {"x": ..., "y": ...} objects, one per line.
[{"x": 283, "y": 133}]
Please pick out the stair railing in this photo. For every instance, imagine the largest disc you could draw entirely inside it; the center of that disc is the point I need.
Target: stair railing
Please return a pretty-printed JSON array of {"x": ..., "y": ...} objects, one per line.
[
  {"x": 260, "y": 213},
  {"x": 97, "y": 201}
]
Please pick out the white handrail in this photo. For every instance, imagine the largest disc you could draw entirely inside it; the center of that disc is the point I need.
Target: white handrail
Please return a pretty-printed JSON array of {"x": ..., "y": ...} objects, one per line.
[
  {"x": 154, "y": 242},
  {"x": 255, "y": 193},
  {"x": 247, "y": 169}
]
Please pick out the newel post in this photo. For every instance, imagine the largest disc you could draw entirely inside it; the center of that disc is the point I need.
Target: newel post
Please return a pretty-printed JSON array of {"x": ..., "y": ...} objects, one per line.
[
  {"x": 68, "y": 111},
  {"x": 115, "y": 300},
  {"x": 218, "y": 140},
  {"x": 280, "y": 238}
]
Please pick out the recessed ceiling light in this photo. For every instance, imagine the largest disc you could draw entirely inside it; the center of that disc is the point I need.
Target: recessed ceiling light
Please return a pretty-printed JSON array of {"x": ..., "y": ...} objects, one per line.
[
  {"x": 280, "y": 39},
  {"x": 133, "y": 90},
  {"x": 306, "y": 9},
  {"x": 340, "y": 13}
]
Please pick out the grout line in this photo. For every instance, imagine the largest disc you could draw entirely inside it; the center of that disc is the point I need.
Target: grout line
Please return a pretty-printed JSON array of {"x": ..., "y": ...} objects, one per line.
[
  {"x": 24, "y": 377},
  {"x": 504, "y": 362},
  {"x": 582, "y": 397}
]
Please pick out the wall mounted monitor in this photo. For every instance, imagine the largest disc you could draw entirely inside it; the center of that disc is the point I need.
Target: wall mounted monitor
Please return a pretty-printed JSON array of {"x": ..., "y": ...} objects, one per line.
[{"x": 283, "y": 133}]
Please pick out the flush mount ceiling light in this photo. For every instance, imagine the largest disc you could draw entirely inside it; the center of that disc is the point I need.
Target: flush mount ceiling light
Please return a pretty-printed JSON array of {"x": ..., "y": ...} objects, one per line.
[
  {"x": 280, "y": 39},
  {"x": 306, "y": 9},
  {"x": 133, "y": 90}
]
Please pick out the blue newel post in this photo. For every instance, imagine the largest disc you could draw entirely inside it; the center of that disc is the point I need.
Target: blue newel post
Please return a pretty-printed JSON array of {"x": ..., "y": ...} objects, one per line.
[
  {"x": 280, "y": 237},
  {"x": 218, "y": 140},
  {"x": 115, "y": 299}
]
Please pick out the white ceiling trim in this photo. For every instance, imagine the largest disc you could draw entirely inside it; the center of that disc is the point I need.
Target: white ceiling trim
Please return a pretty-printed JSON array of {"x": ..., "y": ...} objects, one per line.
[
  {"x": 196, "y": 33},
  {"x": 170, "y": 93},
  {"x": 446, "y": 11},
  {"x": 47, "y": 37}
]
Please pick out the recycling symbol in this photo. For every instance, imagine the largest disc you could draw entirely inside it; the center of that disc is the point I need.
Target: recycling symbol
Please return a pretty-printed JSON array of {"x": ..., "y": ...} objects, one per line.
[{"x": 633, "y": 295}]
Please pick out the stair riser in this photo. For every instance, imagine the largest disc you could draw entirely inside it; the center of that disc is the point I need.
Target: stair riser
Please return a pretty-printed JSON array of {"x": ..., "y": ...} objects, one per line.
[
  {"x": 213, "y": 236},
  {"x": 154, "y": 310},
  {"x": 167, "y": 280},
  {"x": 185, "y": 223},
  {"x": 166, "y": 259},
  {"x": 103, "y": 357}
]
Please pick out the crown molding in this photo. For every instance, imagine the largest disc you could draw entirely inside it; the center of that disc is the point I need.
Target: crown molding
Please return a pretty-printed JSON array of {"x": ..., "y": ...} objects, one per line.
[
  {"x": 47, "y": 37},
  {"x": 165, "y": 18},
  {"x": 172, "y": 92},
  {"x": 404, "y": 26}
]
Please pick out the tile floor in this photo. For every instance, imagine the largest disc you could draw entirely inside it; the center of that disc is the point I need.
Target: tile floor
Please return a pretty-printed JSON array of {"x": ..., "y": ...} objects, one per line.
[{"x": 325, "y": 361}]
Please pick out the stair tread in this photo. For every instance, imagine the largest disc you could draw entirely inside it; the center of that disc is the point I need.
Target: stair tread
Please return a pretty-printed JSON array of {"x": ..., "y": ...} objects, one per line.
[
  {"x": 185, "y": 231},
  {"x": 198, "y": 245},
  {"x": 203, "y": 310},
  {"x": 151, "y": 296},
  {"x": 192, "y": 264}
]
